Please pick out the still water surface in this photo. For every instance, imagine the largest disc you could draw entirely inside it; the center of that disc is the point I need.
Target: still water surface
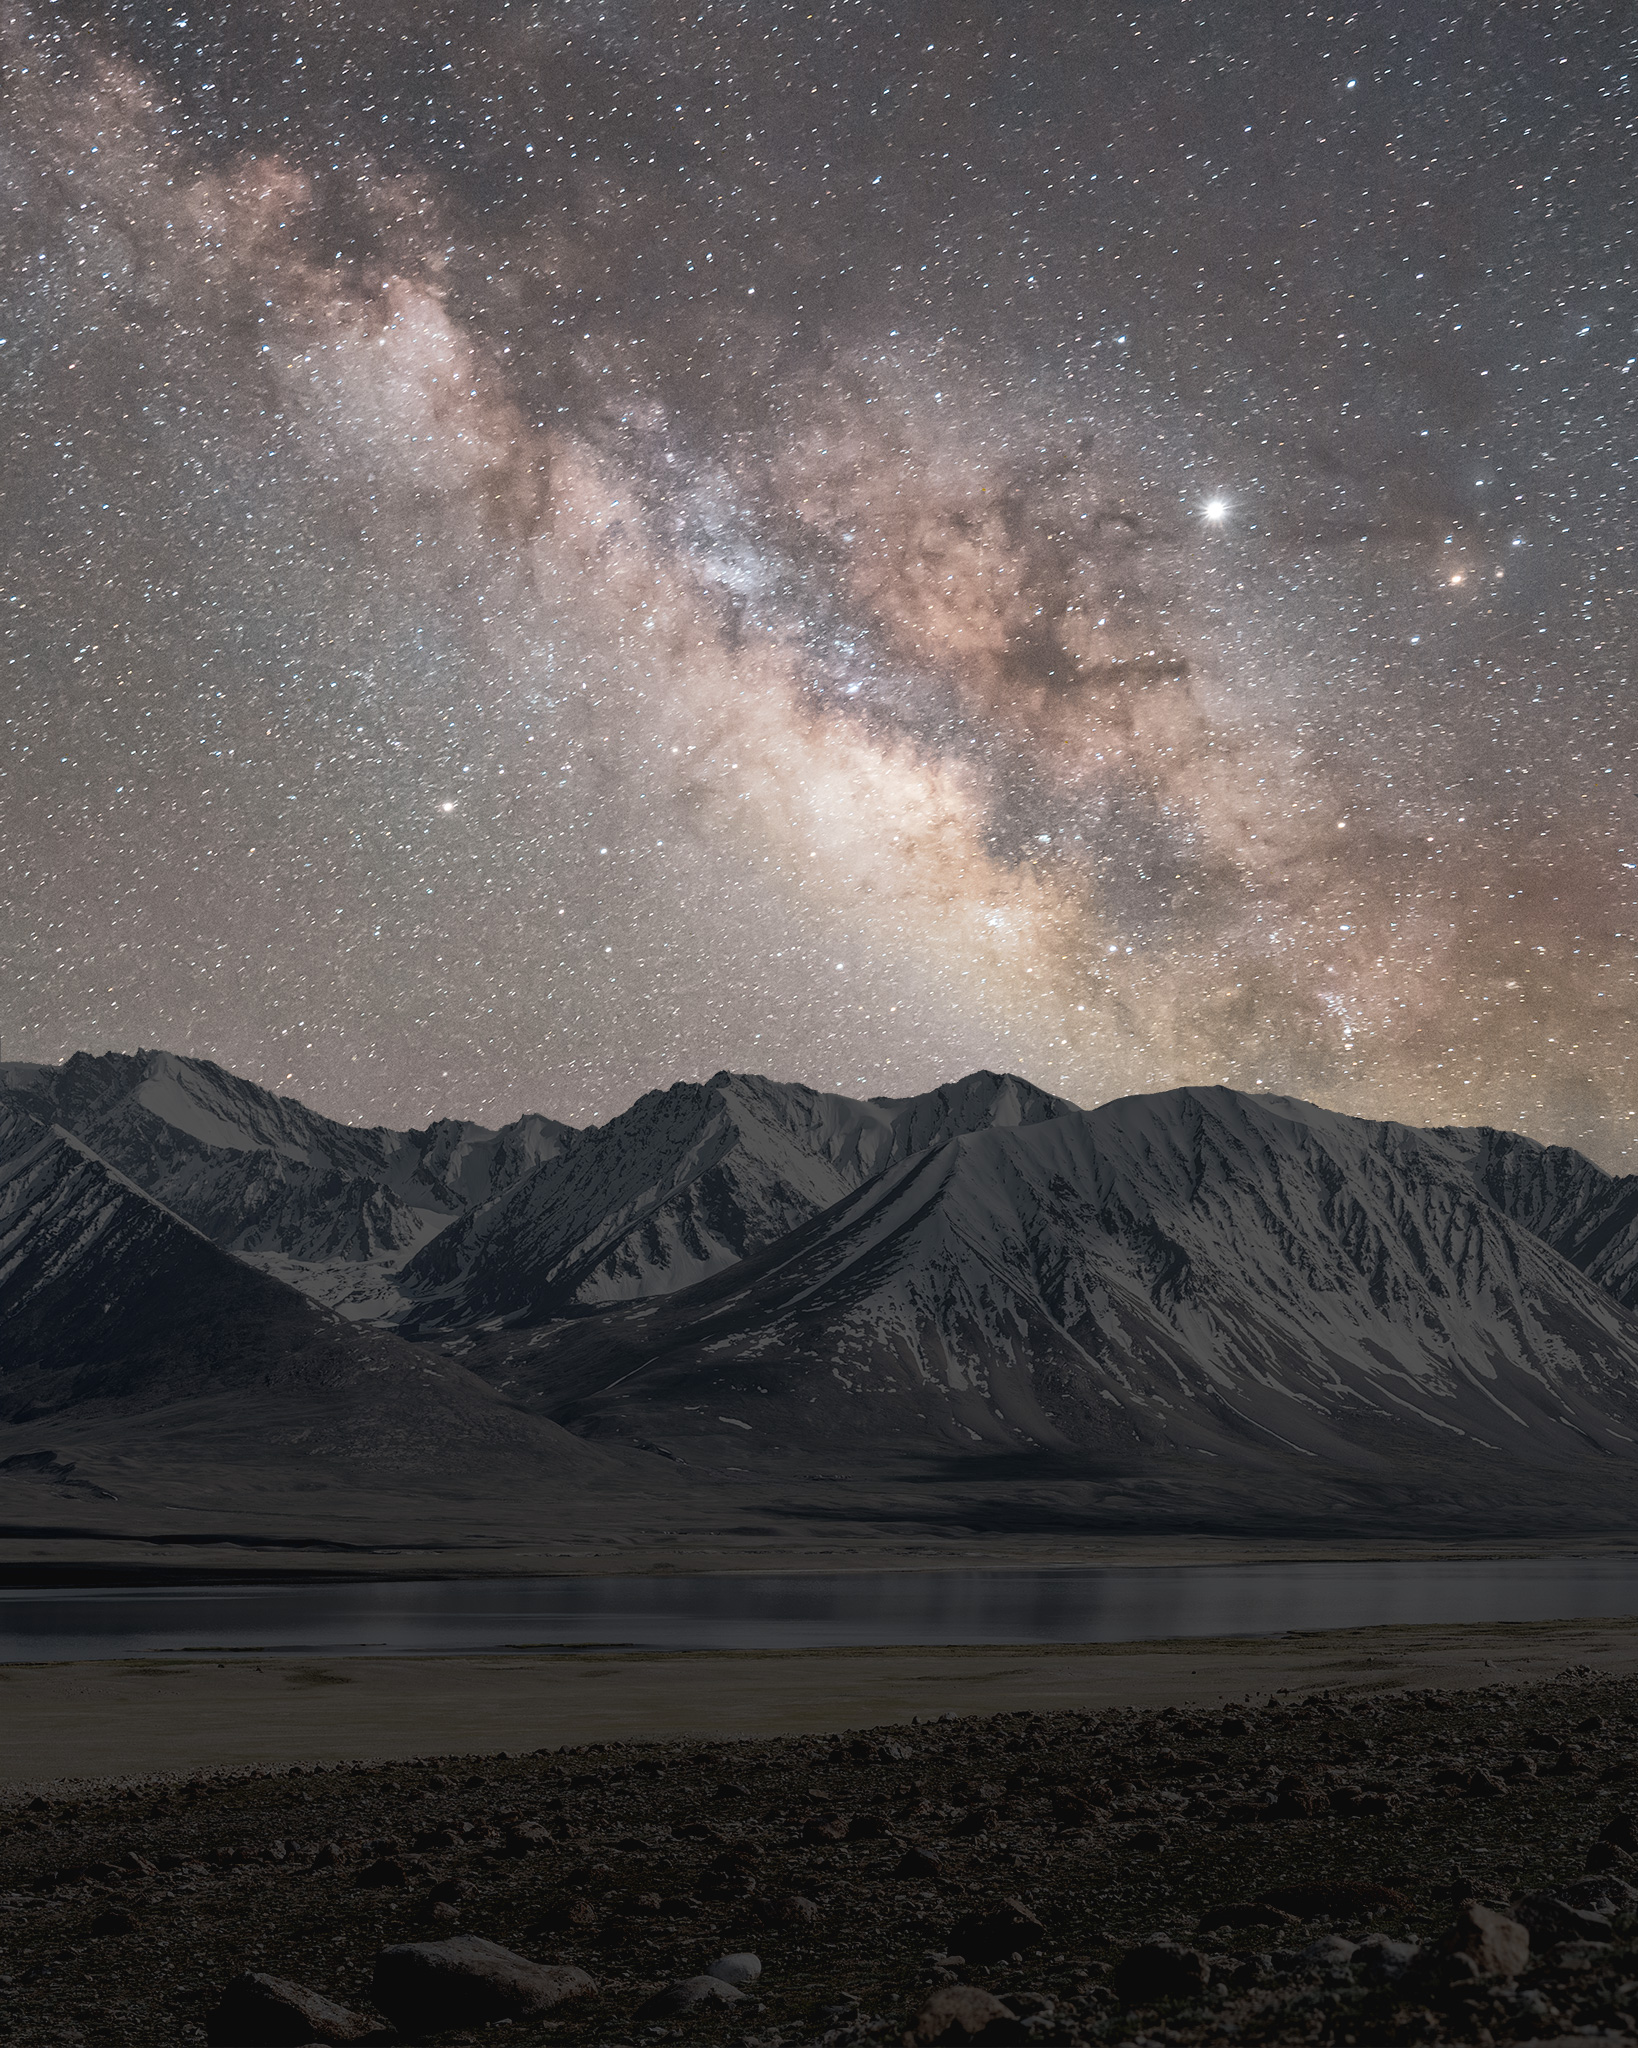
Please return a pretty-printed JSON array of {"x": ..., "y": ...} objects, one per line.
[{"x": 803, "y": 1611}]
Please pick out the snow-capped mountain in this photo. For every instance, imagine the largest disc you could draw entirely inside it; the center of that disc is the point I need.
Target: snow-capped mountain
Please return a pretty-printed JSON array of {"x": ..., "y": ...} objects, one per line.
[
  {"x": 686, "y": 1183},
  {"x": 1240, "y": 1306},
  {"x": 331, "y": 1208},
  {"x": 1588, "y": 1216},
  {"x": 1198, "y": 1272},
  {"x": 117, "y": 1316}
]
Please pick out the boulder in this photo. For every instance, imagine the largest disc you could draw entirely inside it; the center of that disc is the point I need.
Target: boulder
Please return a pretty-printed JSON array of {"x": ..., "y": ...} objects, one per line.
[
  {"x": 684, "y": 1995},
  {"x": 1622, "y": 1831},
  {"x": 738, "y": 1970},
  {"x": 425, "y": 1987},
  {"x": 1495, "y": 1945},
  {"x": 1159, "y": 1969},
  {"x": 962, "y": 2013},
  {"x": 1551, "y": 1919},
  {"x": 1380, "y": 1956},
  {"x": 991, "y": 1933},
  {"x": 258, "y": 2011},
  {"x": 918, "y": 1863}
]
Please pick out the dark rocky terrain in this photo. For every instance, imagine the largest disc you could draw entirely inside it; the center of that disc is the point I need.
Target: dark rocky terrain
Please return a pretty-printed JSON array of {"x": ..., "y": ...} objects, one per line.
[{"x": 1413, "y": 1868}]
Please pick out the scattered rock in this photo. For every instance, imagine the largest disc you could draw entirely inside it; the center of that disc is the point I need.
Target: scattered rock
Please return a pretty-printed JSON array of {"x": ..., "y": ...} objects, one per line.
[
  {"x": 1301, "y": 1803},
  {"x": 426, "y": 1986},
  {"x": 789, "y": 1910},
  {"x": 1343, "y": 1899},
  {"x": 1159, "y": 1969},
  {"x": 962, "y": 2013},
  {"x": 1330, "y": 1952},
  {"x": 1368, "y": 1802},
  {"x": 830, "y": 1827},
  {"x": 980, "y": 1820},
  {"x": 258, "y": 2011},
  {"x": 1244, "y": 1915},
  {"x": 992, "y": 1933},
  {"x": 1581, "y": 2041},
  {"x": 684, "y": 1995},
  {"x": 568, "y": 1915},
  {"x": 525, "y": 1836}
]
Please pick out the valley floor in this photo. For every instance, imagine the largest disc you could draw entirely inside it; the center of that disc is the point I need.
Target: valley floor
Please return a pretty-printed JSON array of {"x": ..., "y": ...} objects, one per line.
[
  {"x": 1336, "y": 1861},
  {"x": 134, "y": 1718}
]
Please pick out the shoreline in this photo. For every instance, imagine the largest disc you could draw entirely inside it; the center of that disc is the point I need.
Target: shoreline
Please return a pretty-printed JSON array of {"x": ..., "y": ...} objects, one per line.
[
  {"x": 78, "y": 1723},
  {"x": 119, "y": 1570}
]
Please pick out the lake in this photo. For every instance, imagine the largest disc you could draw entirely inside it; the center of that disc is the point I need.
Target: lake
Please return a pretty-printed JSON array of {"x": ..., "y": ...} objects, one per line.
[{"x": 1114, "y": 1604}]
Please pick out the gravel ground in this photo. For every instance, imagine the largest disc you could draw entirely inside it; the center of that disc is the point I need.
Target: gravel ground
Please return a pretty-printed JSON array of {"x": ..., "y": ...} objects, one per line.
[{"x": 1410, "y": 1867}]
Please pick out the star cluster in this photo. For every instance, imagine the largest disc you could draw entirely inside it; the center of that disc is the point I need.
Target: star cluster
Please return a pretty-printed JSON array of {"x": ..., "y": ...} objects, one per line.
[{"x": 553, "y": 547}]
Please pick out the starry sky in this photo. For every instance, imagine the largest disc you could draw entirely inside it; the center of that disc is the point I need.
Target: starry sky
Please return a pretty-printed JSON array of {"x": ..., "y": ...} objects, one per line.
[{"x": 552, "y": 548}]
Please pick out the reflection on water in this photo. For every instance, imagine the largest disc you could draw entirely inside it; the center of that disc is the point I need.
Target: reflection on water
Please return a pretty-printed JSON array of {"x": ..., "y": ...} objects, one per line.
[{"x": 810, "y": 1611}]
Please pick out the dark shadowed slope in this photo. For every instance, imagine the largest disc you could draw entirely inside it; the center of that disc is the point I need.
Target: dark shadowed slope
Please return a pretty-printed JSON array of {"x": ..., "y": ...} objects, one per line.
[
  {"x": 119, "y": 1319},
  {"x": 334, "y": 1209}
]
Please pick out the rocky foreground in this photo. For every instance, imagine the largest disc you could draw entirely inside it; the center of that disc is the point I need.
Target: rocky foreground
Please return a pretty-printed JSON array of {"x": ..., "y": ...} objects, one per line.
[{"x": 1422, "y": 1867}]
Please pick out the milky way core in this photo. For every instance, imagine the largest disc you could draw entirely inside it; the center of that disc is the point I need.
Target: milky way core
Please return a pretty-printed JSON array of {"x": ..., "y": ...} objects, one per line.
[{"x": 553, "y": 548}]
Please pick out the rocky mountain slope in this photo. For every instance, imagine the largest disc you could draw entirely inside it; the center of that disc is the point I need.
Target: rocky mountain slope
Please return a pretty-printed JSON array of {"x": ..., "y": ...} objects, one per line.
[
  {"x": 1589, "y": 1217},
  {"x": 1200, "y": 1275},
  {"x": 334, "y": 1209},
  {"x": 122, "y": 1325},
  {"x": 1234, "y": 1308},
  {"x": 687, "y": 1183}
]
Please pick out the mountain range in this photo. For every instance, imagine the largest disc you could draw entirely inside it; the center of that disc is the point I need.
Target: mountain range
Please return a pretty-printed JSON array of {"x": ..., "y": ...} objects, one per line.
[{"x": 981, "y": 1307}]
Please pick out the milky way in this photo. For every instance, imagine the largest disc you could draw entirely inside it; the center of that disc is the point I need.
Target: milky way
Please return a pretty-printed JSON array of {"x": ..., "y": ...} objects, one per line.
[{"x": 554, "y": 548}]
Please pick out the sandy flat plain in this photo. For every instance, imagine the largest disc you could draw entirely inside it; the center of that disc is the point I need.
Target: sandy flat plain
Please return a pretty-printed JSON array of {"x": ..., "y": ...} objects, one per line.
[{"x": 132, "y": 1718}]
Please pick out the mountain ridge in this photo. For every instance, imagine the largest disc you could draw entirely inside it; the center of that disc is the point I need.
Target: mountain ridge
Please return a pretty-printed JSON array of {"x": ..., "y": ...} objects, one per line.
[{"x": 1245, "y": 1302}]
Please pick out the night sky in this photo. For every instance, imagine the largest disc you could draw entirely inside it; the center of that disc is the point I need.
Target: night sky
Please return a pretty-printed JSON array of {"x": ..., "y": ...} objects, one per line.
[{"x": 554, "y": 548}]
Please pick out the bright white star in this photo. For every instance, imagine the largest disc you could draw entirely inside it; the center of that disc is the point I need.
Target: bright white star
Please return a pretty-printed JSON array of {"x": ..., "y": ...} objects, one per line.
[{"x": 1216, "y": 510}]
